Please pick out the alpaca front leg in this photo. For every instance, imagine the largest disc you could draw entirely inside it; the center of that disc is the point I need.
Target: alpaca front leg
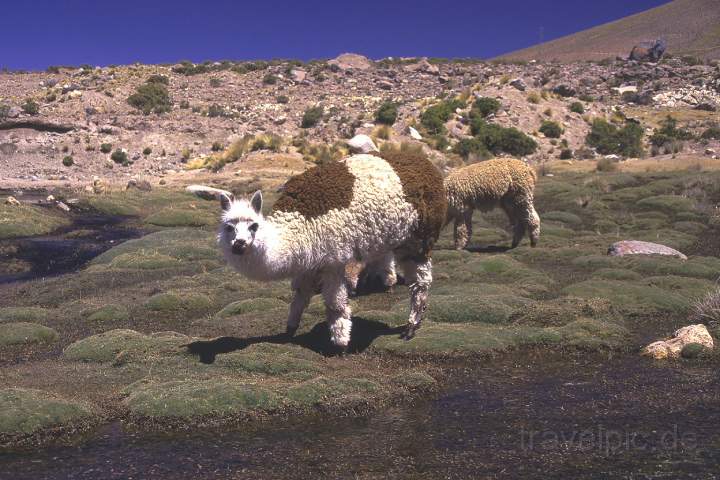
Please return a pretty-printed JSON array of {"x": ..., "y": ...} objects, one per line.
[
  {"x": 337, "y": 310},
  {"x": 304, "y": 287},
  {"x": 418, "y": 276}
]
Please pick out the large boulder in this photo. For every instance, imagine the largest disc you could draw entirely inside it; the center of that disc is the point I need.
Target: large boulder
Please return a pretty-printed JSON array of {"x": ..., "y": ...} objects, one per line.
[
  {"x": 351, "y": 61},
  {"x": 673, "y": 348},
  {"x": 648, "y": 51},
  {"x": 637, "y": 247},
  {"x": 362, "y": 144}
]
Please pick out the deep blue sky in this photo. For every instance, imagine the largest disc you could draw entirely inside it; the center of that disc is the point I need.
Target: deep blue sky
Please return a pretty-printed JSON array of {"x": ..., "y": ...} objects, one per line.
[{"x": 35, "y": 34}]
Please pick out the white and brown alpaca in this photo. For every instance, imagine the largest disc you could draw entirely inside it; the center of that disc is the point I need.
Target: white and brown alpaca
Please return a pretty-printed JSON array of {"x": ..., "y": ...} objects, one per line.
[
  {"x": 363, "y": 208},
  {"x": 505, "y": 183}
]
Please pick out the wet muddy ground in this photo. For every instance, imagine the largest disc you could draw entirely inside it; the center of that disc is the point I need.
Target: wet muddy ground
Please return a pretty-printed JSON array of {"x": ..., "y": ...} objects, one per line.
[{"x": 532, "y": 415}]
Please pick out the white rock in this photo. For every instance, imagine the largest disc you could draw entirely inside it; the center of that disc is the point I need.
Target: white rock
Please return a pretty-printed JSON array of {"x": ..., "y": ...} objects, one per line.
[
  {"x": 414, "y": 133},
  {"x": 207, "y": 193},
  {"x": 673, "y": 347},
  {"x": 12, "y": 201},
  {"x": 362, "y": 144}
]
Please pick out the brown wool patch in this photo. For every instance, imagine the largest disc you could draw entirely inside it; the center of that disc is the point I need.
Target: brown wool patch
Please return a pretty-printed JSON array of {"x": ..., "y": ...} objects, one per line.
[
  {"x": 317, "y": 190},
  {"x": 423, "y": 188}
]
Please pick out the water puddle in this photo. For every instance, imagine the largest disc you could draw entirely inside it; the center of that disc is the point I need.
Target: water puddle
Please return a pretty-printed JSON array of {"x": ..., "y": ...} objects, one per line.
[
  {"x": 524, "y": 416},
  {"x": 63, "y": 251}
]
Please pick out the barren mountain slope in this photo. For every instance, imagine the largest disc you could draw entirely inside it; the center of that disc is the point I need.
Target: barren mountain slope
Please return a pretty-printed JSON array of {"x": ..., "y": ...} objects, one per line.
[{"x": 690, "y": 27}]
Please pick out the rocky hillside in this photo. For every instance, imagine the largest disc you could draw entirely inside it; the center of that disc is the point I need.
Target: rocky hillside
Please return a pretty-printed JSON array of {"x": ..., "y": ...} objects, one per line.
[
  {"x": 690, "y": 27},
  {"x": 66, "y": 125}
]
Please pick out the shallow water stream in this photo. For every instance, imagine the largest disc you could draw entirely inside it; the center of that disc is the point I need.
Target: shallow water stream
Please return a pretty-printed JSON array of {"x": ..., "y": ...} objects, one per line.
[{"x": 537, "y": 415}]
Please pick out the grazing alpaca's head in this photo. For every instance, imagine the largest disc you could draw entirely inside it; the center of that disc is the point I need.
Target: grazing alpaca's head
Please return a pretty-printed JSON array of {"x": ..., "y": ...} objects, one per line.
[{"x": 242, "y": 220}]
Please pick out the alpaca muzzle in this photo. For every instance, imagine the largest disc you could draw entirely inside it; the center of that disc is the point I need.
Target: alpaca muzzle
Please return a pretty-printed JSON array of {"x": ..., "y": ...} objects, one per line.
[{"x": 239, "y": 247}]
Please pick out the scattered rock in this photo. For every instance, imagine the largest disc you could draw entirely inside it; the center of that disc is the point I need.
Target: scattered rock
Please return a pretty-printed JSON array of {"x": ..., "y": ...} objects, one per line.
[
  {"x": 12, "y": 201},
  {"x": 648, "y": 52},
  {"x": 362, "y": 144},
  {"x": 672, "y": 348},
  {"x": 142, "y": 185},
  {"x": 414, "y": 133},
  {"x": 298, "y": 75},
  {"x": 519, "y": 83},
  {"x": 564, "y": 91},
  {"x": 637, "y": 247}
]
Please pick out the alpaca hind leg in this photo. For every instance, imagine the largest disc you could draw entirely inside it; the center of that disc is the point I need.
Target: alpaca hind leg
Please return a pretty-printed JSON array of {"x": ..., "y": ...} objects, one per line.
[
  {"x": 462, "y": 229},
  {"x": 303, "y": 288},
  {"x": 385, "y": 268},
  {"x": 337, "y": 310},
  {"x": 533, "y": 225},
  {"x": 418, "y": 276}
]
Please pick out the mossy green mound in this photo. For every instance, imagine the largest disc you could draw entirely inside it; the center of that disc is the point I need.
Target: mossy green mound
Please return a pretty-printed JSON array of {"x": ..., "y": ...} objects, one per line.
[
  {"x": 415, "y": 380},
  {"x": 25, "y": 411},
  {"x": 328, "y": 390},
  {"x": 26, "y": 220},
  {"x": 197, "y": 398},
  {"x": 271, "y": 359},
  {"x": 175, "y": 217},
  {"x": 164, "y": 249},
  {"x": 24, "y": 314},
  {"x": 494, "y": 309},
  {"x": 441, "y": 339},
  {"x": 23, "y": 333},
  {"x": 131, "y": 345},
  {"x": 110, "y": 314},
  {"x": 143, "y": 260},
  {"x": 563, "y": 217},
  {"x": 667, "y": 203},
  {"x": 252, "y": 305},
  {"x": 177, "y": 301},
  {"x": 669, "y": 294}
]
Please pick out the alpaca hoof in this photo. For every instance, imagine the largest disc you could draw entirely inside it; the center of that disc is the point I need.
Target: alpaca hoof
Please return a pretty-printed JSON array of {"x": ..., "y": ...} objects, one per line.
[{"x": 409, "y": 332}]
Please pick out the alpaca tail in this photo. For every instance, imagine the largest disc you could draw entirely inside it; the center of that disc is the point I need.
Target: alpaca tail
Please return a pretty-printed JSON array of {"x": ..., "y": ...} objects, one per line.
[{"x": 207, "y": 193}]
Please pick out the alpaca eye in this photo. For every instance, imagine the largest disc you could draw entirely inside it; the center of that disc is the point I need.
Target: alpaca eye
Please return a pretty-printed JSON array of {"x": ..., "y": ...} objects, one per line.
[
  {"x": 254, "y": 227},
  {"x": 229, "y": 228}
]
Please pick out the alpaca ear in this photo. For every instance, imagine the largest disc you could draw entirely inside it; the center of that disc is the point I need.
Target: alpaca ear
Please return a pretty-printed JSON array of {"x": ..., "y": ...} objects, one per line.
[
  {"x": 226, "y": 199},
  {"x": 256, "y": 201}
]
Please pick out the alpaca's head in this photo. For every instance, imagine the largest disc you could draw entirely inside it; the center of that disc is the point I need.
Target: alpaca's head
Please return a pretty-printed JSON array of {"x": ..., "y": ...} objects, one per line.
[{"x": 241, "y": 221}]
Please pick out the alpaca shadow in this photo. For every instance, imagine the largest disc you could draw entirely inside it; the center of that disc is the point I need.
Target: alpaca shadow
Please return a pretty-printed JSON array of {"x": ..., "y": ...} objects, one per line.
[
  {"x": 488, "y": 249},
  {"x": 364, "y": 333}
]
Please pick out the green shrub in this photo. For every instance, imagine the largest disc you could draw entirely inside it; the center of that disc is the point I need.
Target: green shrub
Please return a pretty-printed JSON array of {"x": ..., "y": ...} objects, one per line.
[
  {"x": 387, "y": 113},
  {"x": 147, "y": 151},
  {"x": 216, "y": 146},
  {"x": 606, "y": 165},
  {"x": 216, "y": 110},
  {"x": 669, "y": 132},
  {"x": 577, "y": 107},
  {"x": 121, "y": 157},
  {"x": 499, "y": 139},
  {"x": 106, "y": 147},
  {"x": 472, "y": 146},
  {"x": 30, "y": 107},
  {"x": 282, "y": 99},
  {"x": 4, "y": 111},
  {"x": 162, "y": 79},
  {"x": 484, "y": 106},
  {"x": 566, "y": 154},
  {"x": 586, "y": 98},
  {"x": 533, "y": 97},
  {"x": 711, "y": 133},
  {"x": 215, "y": 82},
  {"x": 68, "y": 161},
  {"x": 434, "y": 117},
  {"x": 609, "y": 139},
  {"x": 269, "y": 79},
  {"x": 312, "y": 116},
  {"x": 551, "y": 129},
  {"x": 151, "y": 98}
]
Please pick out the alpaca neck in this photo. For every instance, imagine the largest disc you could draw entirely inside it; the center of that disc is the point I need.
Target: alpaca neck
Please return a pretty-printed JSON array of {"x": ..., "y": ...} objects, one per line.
[{"x": 270, "y": 259}]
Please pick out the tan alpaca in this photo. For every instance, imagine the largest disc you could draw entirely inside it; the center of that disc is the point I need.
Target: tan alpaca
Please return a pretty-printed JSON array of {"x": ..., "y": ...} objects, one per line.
[{"x": 504, "y": 182}]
